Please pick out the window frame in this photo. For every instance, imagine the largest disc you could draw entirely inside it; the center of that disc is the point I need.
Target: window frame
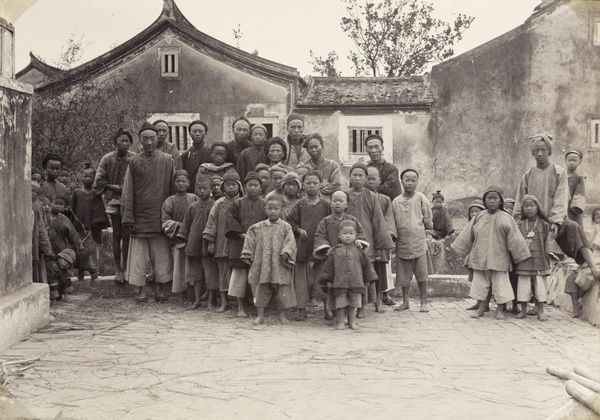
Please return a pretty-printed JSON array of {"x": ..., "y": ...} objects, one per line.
[
  {"x": 163, "y": 53},
  {"x": 346, "y": 122}
]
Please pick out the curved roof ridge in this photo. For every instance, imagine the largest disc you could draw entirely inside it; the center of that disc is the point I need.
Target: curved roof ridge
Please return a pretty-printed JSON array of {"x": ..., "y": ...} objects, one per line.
[{"x": 37, "y": 63}]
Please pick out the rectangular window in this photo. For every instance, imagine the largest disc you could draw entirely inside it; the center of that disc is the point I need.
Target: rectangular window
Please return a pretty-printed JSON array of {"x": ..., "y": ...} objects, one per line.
[
  {"x": 596, "y": 30},
  {"x": 178, "y": 134},
  {"x": 169, "y": 62},
  {"x": 357, "y": 136},
  {"x": 595, "y": 133}
]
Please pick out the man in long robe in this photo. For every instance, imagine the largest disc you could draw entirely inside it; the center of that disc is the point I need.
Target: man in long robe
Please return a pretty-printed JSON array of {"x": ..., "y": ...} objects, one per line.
[
  {"x": 163, "y": 145},
  {"x": 548, "y": 182},
  {"x": 148, "y": 182},
  {"x": 197, "y": 154},
  {"x": 294, "y": 141}
]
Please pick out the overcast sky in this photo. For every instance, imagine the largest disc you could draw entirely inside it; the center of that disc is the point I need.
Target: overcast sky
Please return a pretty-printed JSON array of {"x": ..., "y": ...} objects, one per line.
[{"x": 266, "y": 25}]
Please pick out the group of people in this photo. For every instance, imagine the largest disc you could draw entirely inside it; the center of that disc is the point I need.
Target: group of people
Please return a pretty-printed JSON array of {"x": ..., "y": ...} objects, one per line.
[{"x": 265, "y": 220}]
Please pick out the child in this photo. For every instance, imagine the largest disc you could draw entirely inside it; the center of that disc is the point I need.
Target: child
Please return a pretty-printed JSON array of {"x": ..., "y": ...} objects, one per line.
[
  {"x": 243, "y": 213},
  {"x": 62, "y": 235},
  {"x": 218, "y": 155},
  {"x": 37, "y": 176},
  {"x": 291, "y": 188},
  {"x": 88, "y": 215},
  {"x": 174, "y": 210},
  {"x": 578, "y": 282},
  {"x": 304, "y": 217},
  {"x": 489, "y": 240},
  {"x": 412, "y": 213},
  {"x": 364, "y": 205},
  {"x": 277, "y": 173},
  {"x": 214, "y": 232},
  {"x": 509, "y": 206},
  {"x": 52, "y": 187},
  {"x": 200, "y": 268},
  {"x": 40, "y": 244},
  {"x": 262, "y": 169},
  {"x": 533, "y": 271},
  {"x": 252, "y": 156},
  {"x": 383, "y": 257},
  {"x": 327, "y": 237},
  {"x": 346, "y": 271},
  {"x": 475, "y": 207},
  {"x": 46, "y": 205},
  {"x": 576, "y": 183},
  {"x": 58, "y": 274},
  {"x": 442, "y": 222},
  {"x": 270, "y": 250},
  {"x": 217, "y": 181}
]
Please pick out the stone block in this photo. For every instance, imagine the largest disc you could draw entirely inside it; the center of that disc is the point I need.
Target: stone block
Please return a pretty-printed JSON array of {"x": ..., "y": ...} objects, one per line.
[
  {"x": 444, "y": 259},
  {"x": 23, "y": 312}
]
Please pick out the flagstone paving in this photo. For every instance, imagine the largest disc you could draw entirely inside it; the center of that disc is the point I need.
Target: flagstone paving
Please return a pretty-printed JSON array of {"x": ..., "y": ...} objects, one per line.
[{"x": 114, "y": 359}]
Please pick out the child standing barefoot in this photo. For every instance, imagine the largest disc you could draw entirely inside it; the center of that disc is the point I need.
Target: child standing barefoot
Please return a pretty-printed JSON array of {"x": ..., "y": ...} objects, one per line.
[
  {"x": 346, "y": 271},
  {"x": 533, "y": 271},
  {"x": 489, "y": 240},
  {"x": 412, "y": 213},
  {"x": 270, "y": 250},
  {"x": 304, "y": 217}
]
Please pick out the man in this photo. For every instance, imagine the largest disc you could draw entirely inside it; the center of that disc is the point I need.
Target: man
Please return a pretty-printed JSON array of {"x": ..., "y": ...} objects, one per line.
[
  {"x": 197, "y": 154},
  {"x": 146, "y": 186},
  {"x": 52, "y": 188},
  {"x": 294, "y": 140},
  {"x": 109, "y": 181},
  {"x": 548, "y": 182},
  {"x": 240, "y": 142},
  {"x": 162, "y": 145},
  {"x": 390, "y": 184}
]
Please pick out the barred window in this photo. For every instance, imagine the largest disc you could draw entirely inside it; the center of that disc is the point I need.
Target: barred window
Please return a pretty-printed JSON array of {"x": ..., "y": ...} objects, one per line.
[
  {"x": 595, "y": 133},
  {"x": 357, "y": 136},
  {"x": 169, "y": 62},
  {"x": 178, "y": 134}
]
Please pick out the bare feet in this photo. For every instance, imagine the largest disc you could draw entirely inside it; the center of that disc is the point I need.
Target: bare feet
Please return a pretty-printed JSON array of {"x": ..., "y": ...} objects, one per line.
[
  {"x": 328, "y": 315},
  {"x": 360, "y": 313},
  {"x": 301, "y": 315},
  {"x": 477, "y": 314},
  {"x": 577, "y": 310},
  {"x": 500, "y": 314},
  {"x": 542, "y": 317},
  {"x": 313, "y": 303},
  {"x": 282, "y": 319},
  {"x": 532, "y": 312},
  {"x": 354, "y": 326},
  {"x": 521, "y": 315},
  {"x": 196, "y": 305},
  {"x": 424, "y": 308},
  {"x": 243, "y": 314},
  {"x": 402, "y": 307},
  {"x": 211, "y": 307},
  {"x": 341, "y": 325},
  {"x": 474, "y": 307},
  {"x": 259, "y": 319},
  {"x": 221, "y": 308},
  {"x": 378, "y": 307}
]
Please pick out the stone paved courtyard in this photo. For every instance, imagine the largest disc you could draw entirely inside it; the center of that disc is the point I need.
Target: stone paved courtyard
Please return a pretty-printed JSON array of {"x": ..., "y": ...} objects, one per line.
[{"x": 110, "y": 358}]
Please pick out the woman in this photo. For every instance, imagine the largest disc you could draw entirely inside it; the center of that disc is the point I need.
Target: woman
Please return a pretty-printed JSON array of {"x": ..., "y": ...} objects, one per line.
[
  {"x": 276, "y": 151},
  {"x": 327, "y": 168}
]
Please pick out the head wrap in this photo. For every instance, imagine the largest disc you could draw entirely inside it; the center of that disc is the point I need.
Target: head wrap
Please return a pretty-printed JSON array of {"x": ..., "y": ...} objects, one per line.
[
  {"x": 278, "y": 167},
  {"x": 250, "y": 176},
  {"x": 276, "y": 140},
  {"x": 242, "y": 118},
  {"x": 360, "y": 165},
  {"x": 493, "y": 188},
  {"x": 347, "y": 223},
  {"x": 35, "y": 187},
  {"x": 261, "y": 167},
  {"x": 373, "y": 136},
  {"x": 311, "y": 136},
  {"x": 533, "y": 198},
  {"x": 575, "y": 151},
  {"x": 181, "y": 172},
  {"x": 202, "y": 123},
  {"x": 216, "y": 176},
  {"x": 293, "y": 178},
  {"x": 546, "y": 138},
  {"x": 155, "y": 123},
  {"x": 121, "y": 132},
  {"x": 232, "y": 175},
  {"x": 509, "y": 201},
  {"x": 257, "y": 126},
  {"x": 67, "y": 254},
  {"x": 52, "y": 156},
  {"x": 218, "y": 143},
  {"x": 37, "y": 171},
  {"x": 147, "y": 126},
  {"x": 293, "y": 117},
  {"x": 409, "y": 170},
  {"x": 476, "y": 203}
]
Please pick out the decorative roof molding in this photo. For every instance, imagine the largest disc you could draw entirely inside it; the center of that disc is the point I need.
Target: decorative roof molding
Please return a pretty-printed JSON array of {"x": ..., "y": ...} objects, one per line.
[
  {"x": 366, "y": 92},
  {"x": 172, "y": 18},
  {"x": 37, "y": 64}
]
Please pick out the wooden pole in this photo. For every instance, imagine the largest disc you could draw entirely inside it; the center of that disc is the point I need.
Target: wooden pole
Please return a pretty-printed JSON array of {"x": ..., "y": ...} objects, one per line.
[
  {"x": 584, "y": 395},
  {"x": 594, "y": 376},
  {"x": 566, "y": 374}
]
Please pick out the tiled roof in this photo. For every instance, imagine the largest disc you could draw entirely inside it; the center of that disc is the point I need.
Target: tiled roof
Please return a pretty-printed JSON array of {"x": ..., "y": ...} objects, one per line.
[{"x": 323, "y": 92}]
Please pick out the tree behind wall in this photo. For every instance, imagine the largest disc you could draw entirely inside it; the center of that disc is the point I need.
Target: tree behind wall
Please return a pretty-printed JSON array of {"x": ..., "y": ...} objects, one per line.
[{"x": 395, "y": 37}]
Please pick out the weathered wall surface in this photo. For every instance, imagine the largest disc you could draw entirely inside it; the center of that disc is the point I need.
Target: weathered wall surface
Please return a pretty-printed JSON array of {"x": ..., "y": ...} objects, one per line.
[
  {"x": 15, "y": 190},
  {"x": 540, "y": 77}
]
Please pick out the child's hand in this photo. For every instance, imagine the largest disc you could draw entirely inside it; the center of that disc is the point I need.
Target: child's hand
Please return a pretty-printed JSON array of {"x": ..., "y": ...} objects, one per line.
[
  {"x": 211, "y": 248},
  {"x": 554, "y": 230},
  {"x": 302, "y": 233},
  {"x": 243, "y": 236},
  {"x": 329, "y": 251},
  {"x": 329, "y": 285}
]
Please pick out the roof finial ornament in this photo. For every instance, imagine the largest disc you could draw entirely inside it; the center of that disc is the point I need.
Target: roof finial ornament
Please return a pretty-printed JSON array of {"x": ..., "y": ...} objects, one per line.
[{"x": 168, "y": 8}]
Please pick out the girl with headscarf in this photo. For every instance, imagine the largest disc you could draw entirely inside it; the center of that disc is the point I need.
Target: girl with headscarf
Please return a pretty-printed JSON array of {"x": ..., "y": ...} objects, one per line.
[
  {"x": 488, "y": 241},
  {"x": 328, "y": 169}
]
